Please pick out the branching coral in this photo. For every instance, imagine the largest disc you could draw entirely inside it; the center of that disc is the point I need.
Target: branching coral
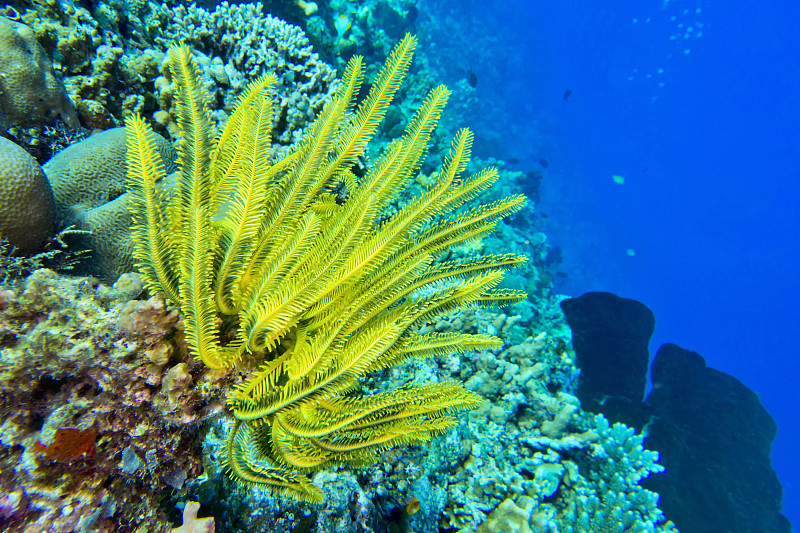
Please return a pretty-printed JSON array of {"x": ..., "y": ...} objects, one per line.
[{"x": 320, "y": 288}]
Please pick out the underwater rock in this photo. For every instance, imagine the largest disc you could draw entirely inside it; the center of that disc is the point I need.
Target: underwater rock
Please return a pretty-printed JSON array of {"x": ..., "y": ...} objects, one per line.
[
  {"x": 610, "y": 335},
  {"x": 27, "y": 211},
  {"x": 714, "y": 437},
  {"x": 30, "y": 92}
]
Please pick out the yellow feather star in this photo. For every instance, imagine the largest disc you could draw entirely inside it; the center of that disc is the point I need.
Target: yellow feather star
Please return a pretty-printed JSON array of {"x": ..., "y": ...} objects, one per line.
[{"x": 322, "y": 290}]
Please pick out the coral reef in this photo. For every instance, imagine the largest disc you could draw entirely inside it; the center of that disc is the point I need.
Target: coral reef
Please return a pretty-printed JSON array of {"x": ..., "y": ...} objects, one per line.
[
  {"x": 27, "y": 208},
  {"x": 87, "y": 57},
  {"x": 528, "y": 459},
  {"x": 110, "y": 76},
  {"x": 320, "y": 293},
  {"x": 103, "y": 410},
  {"x": 112, "y": 61},
  {"x": 338, "y": 29},
  {"x": 110, "y": 73},
  {"x": 95, "y": 423},
  {"x": 233, "y": 45}
]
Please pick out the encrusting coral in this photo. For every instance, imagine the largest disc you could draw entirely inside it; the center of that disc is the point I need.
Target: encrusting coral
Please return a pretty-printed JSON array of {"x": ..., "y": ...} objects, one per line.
[
  {"x": 311, "y": 283},
  {"x": 95, "y": 420}
]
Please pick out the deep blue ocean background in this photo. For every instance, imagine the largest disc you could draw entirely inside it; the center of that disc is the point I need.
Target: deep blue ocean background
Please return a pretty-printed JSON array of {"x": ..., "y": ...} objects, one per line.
[{"x": 694, "y": 104}]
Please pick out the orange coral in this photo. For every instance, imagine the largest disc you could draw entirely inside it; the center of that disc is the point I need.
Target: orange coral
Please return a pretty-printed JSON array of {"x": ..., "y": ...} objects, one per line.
[{"x": 69, "y": 444}]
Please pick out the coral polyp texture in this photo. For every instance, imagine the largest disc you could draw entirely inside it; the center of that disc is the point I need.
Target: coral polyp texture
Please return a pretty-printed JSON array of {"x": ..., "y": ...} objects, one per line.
[
  {"x": 89, "y": 185},
  {"x": 322, "y": 291},
  {"x": 27, "y": 207},
  {"x": 30, "y": 92},
  {"x": 91, "y": 172}
]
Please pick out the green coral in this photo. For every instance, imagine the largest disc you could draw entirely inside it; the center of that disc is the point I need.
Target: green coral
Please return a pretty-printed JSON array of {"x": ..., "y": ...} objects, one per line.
[
  {"x": 611, "y": 500},
  {"x": 27, "y": 210},
  {"x": 30, "y": 92},
  {"x": 89, "y": 185}
]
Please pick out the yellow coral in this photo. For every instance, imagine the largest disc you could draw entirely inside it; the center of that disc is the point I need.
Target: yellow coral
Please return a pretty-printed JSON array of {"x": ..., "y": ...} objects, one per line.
[{"x": 317, "y": 285}]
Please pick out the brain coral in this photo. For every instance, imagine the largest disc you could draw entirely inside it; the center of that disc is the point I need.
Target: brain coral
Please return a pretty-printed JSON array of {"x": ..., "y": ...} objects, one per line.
[
  {"x": 109, "y": 239},
  {"x": 27, "y": 211},
  {"x": 30, "y": 92},
  {"x": 91, "y": 173},
  {"x": 88, "y": 180}
]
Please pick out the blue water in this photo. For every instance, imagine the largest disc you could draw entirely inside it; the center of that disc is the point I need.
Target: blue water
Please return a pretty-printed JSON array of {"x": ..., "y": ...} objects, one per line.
[{"x": 694, "y": 104}]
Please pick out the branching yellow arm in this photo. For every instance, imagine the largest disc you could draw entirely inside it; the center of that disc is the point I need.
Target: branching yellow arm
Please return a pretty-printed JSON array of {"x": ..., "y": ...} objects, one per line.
[
  {"x": 317, "y": 286},
  {"x": 154, "y": 258}
]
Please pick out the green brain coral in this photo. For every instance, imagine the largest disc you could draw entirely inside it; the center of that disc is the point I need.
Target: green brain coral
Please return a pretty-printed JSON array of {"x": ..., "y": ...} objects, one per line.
[
  {"x": 90, "y": 189},
  {"x": 27, "y": 210}
]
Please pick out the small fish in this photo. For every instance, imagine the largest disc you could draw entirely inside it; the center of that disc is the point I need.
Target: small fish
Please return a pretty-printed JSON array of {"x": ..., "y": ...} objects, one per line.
[
  {"x": 342, "y": 23},
  {"x": 513, "y": 160},
  {"x": 472, "y": 78},
  {"x": 619, "y": 180},
  {"x": 567, "y": 94},
  {"x": 544, "y": 162}
]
